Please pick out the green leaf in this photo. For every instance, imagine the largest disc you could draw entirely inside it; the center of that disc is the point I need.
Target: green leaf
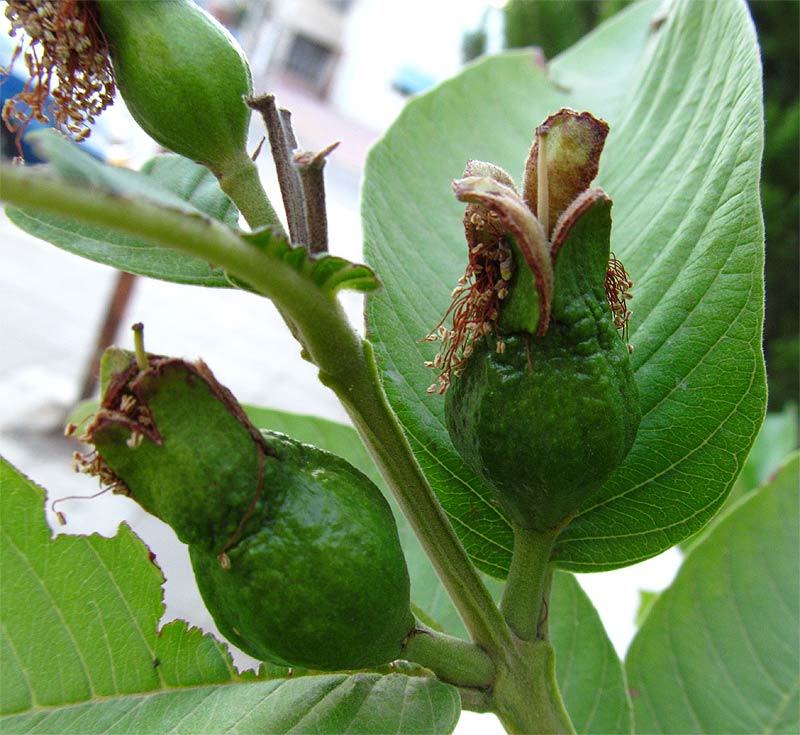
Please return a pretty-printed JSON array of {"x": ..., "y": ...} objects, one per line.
[
  {"x": 776, "y": 441},
  {"x": 193, "y": 183},
  {"x": 361, "y": 704},
  {"x": 80, "y": 615},
  {"x": 80, "y": 651},
  {"x": 170, "y": 181},
  {"x": 328, "y": 272},
  {"x": 682, "y": 97},
  {"x": 718, "y": 652},
  {"x": 646, "y": 600},
  {"x": 588, "y": 670}
]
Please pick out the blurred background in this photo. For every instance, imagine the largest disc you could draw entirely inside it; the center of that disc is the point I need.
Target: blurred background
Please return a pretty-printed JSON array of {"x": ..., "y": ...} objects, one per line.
[{"x": 345, "y": 68}]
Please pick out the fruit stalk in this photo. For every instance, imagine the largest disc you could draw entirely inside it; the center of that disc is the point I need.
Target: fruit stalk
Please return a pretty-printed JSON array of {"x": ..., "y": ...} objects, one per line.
[
  {"x": 523, "y": 603},
  {"x": 242, "y": 184},
  {"x": 451, "y": 659}
]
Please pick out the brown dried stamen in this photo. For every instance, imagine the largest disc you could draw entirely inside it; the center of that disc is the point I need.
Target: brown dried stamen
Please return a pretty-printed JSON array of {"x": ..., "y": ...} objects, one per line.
[
  {"x": 476, "y": 300},
  {"x": 67, "y": 57},
  {"x": 122, "y": 407},
  {"x": 618, "y": 290}
]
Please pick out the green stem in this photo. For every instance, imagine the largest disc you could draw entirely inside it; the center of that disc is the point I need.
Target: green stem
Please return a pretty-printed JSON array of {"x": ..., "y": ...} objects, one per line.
[
  {"x": 526, "y": 696},
  {"x": 345, "y": 362},
  {"x": 138, "y": 347},
  {"x": 360, "y": 392},
  {"x": 242, "y": 184},
  {"x": 526, "y": 584},
  {"x": 451, "y": 659}
]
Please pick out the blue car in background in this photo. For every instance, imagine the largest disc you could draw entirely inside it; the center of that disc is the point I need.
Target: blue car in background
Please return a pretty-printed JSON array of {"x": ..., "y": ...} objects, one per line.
[{"x": 13, "y": 84}]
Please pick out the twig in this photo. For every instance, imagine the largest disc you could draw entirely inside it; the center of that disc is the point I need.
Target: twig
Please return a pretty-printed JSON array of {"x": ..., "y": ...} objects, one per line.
[
  {"x": 282, "y": 143},
  {"x": 310, "y": 166}
]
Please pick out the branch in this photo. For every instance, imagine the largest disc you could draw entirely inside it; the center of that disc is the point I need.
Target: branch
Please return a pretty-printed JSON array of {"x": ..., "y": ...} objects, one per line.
[{"x": 345, "y": 362}]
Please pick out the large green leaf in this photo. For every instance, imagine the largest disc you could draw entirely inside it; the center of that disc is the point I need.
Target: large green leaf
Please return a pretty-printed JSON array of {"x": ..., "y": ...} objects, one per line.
[
  {"x": 718, "y": 652},
  {"x": 80, "y": 651},
  {"x": 363, "y": 704},
  {"x": 681, "y": 91},
  {"x": 171, "y": 181},
  {"x": 80, "y": 614},
  {"x": 588, "y": 670}
]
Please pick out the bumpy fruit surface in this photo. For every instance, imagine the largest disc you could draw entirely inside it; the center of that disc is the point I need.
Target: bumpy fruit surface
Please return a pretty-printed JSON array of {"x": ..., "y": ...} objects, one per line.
[
  {"x": 296, "y": 552},
  {"x": 182, "y": 77},
  {"x": 547, "y": 420}
]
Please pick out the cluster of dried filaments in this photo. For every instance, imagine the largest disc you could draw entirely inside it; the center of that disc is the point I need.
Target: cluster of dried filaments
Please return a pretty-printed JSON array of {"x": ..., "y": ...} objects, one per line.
[
  {"x": 618, "y": 290},
  {"x": 475, "y": 307},
  {"x": 129, "y": 412},
  {"x": 476, "y": 300},
  {"x": 67, "y": 58}
]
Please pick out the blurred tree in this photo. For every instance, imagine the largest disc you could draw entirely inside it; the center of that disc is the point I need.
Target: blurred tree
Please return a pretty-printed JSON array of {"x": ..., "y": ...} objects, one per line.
[
  {"x": 777, "y": 23},
  {"x": 554, "y": 25},
  {"x": 473, "y": 44}
]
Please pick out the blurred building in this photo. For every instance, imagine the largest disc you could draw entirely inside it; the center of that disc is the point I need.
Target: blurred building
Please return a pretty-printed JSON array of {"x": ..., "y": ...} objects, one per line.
[
  {"x": 363, "y": 57},
  {"x": 298, "y": 41}
]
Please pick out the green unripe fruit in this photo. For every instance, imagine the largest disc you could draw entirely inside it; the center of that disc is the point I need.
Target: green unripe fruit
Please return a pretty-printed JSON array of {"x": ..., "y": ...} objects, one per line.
[
  {"x": 326, "y": 543},
  {"x": 546, "y": 420},
  {"x": 182, "y": 77},
  {"x": 296, "y": 553}
]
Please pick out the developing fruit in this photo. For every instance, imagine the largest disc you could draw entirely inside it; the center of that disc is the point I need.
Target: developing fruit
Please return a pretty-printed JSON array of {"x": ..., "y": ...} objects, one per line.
[
  {"x": 540, "y": 397},
  {"x": 182, "y": 77},
  {"x": 296, "y": 553}
]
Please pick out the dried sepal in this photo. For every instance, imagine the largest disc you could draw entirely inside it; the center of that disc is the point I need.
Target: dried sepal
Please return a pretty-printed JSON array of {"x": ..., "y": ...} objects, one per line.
[
  {"x": 67, "y": 59},
  {"x": 574, "y": 144},
  {"x": 566, "y": 221},
  {"x": 500, "y": 225},
  {"x": 483, "y": 168},
  {"x": 522, "y": 225},
  {"x": 494, "y": 210}
]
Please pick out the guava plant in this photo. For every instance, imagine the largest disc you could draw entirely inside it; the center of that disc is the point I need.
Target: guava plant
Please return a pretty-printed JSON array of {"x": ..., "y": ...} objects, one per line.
[{"x": 529, "y": 405}]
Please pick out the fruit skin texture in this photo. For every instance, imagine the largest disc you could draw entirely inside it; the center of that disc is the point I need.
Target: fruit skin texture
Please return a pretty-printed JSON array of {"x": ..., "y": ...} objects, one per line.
[
  {"x": 312, "y": 573},
  {"x": 182, "y": 77},
  {"x": 320, "y": 580},
  {"x": 546, "y": 422}
]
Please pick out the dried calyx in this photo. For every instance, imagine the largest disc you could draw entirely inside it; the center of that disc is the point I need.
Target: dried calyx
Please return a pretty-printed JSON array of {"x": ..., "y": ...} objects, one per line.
[{"x": 505, "y": 230}]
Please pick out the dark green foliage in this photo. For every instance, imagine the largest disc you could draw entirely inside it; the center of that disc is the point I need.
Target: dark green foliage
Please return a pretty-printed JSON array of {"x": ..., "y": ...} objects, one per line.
[
  {"x": 473, "y": 44},
  {"x": 777, "y": 24},
  {"x": 554, "y": 25}
]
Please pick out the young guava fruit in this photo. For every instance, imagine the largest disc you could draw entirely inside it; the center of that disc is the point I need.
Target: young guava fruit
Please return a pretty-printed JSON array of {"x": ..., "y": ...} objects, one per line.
[
  {"x": 540, "y": 396},
  {"x": 182, "y": 77},
  {"x": 296, "y": 553},
  {"x": 546, "y": 420}
]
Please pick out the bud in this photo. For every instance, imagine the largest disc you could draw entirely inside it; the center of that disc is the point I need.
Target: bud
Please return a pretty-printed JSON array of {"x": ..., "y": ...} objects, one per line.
[
  {"x": 296, "y": 552},
  {"x": 182, "y": 77},
  {"x": 540, "y": 397}
]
